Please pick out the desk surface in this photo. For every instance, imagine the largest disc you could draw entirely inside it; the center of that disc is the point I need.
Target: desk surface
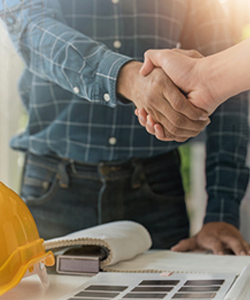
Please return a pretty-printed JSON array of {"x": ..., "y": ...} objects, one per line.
[{"x": 31, "y": 288}]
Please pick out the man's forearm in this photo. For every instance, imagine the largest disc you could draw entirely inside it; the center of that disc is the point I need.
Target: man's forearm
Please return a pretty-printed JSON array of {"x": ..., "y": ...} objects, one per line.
[{"x": 58, "y": 53}]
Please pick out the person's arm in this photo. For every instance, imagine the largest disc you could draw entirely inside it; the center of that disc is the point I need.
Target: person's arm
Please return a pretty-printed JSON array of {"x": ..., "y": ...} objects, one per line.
[
  {"x": 207, "y": 81},
  {"x": 58, "y": 53},
  {"x": 227, "y": 142},
  {"x": 227, "y": 139},
  {"x": 226, "y": 73}
]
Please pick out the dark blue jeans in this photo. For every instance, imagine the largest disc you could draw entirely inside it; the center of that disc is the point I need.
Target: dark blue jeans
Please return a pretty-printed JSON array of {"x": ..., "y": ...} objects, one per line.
[{"x": 65, "y": 196}]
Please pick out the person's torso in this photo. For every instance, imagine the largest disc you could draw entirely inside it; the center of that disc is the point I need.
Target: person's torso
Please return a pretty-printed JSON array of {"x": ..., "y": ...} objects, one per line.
[{"x": 96, "y": 132}]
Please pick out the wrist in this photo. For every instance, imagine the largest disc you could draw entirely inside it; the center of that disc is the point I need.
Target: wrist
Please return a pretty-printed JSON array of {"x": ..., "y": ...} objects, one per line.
[
  {"x": 211, "y": 73},
  {"x": 126, "y": 78},
  {"x": 222, "y": 78}
]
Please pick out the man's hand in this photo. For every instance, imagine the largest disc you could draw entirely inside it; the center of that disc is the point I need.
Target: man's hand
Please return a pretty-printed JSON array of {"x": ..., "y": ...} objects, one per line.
[
  {"x": 153, "y": 128},
  {"x": 161, "y": 99},
  {"x": 219, "y": 237},
  {"x": 189, "y": 71},
  {"x": 182, "y": 66}
]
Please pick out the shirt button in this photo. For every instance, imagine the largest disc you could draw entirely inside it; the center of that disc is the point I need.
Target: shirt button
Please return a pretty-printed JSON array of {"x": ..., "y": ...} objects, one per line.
[
  {"x": 115, "y": 1},
  {"x": 76, "y": 90},
  {"x": 112, "y": 140},
  {"x": 117, "y": 44},
  {"x": 106, "y": 97}
]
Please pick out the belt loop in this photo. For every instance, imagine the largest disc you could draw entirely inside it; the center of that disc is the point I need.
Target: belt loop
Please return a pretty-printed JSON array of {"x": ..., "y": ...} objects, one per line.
[
  {"x": 138, "y": 176},
  {"x": 72, "y": 166},
  {"x": 63, "y": 175}
]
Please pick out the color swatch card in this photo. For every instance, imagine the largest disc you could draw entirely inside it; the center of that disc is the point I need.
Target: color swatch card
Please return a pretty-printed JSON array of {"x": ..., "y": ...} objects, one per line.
[{"x": 107, "y": 286}]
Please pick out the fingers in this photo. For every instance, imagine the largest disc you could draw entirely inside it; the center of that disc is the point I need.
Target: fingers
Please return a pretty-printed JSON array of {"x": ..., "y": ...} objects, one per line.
[
  {"x": 178, "y": 124},
  {"x": 214, "y": 244},
  {"x": 159, "y": 132},
  {"x": 150, "y": 125},
  {"x": 221, "y": 245},
  {"x": 186, "y": 245},
  {"x": 169, "y": 132},
  {"x": 236, "y": 245},
  {"x": 178, "y": 129},
  {"x": 221, "y": 237},
  {"x": 142, "y": 116},
  {"x": 155, "y": 58},
  {"x": 155, "y": 129},
  {"x": 169, "y": 107},
  {"x": 174, "y": 127},
  {"x": 147, "y": 121},
  {"x": 151, "y": 60},
  {"x": 247, "y": 247},
  {"x": 178, "y": 110},
  {"x": 180, "y": 104}
]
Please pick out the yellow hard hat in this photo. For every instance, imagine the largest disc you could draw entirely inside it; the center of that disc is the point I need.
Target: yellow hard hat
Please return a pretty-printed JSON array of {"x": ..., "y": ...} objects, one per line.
[{"x": 20, "y": 245}]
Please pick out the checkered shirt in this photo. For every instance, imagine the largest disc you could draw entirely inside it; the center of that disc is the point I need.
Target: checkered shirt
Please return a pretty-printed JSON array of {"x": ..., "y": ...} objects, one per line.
[{"x": 73, "y": 51}]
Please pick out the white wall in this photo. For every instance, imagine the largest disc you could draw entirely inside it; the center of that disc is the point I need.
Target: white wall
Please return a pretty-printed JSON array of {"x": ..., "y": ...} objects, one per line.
[
  {"x": 245, "y": 210},
  {"x": 10, "y": 110},
  {"x": 198, "y": 195}
]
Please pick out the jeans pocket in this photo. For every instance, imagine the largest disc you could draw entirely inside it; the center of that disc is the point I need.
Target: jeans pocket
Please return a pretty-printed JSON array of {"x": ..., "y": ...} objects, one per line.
[
  {"x": 163, "y": 182},
  {"x": 40, "y": 183},
  {"x": 160, "y": 192}
]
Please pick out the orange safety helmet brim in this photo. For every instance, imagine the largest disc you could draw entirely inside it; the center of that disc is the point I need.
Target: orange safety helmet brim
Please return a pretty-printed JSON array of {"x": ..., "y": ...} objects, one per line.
[
  {"x": 48, "y": 259},
  {"x": 21, "y": 247}
]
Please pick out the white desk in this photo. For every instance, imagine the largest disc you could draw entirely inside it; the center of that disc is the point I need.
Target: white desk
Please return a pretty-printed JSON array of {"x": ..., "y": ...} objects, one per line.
[{"x": 31, "y": 288}]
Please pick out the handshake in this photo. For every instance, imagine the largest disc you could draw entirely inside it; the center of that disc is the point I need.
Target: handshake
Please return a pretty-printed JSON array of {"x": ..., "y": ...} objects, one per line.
[{"x": 174, "y": 92}]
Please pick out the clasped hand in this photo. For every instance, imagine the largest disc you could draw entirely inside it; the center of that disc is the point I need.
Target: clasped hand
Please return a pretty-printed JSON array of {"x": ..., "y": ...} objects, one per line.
[
  {"x": 162, "y": 100},
  {"x": 187, "y": 70}
]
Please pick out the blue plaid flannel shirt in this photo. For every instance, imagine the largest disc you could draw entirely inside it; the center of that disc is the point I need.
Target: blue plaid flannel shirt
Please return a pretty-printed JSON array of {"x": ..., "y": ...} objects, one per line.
[{"x": 73, "y": 51}]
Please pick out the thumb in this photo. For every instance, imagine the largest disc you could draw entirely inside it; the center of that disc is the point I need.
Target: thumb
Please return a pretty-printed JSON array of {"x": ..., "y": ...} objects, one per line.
[
  {"x": 185, "y": 245},
  {"x": 151, "y": 60},
  {"x": 147, "y": 66}
]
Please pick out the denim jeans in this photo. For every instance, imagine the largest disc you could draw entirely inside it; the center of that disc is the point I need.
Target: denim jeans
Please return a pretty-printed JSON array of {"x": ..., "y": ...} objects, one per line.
[{"x": 65, "y": 196}]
